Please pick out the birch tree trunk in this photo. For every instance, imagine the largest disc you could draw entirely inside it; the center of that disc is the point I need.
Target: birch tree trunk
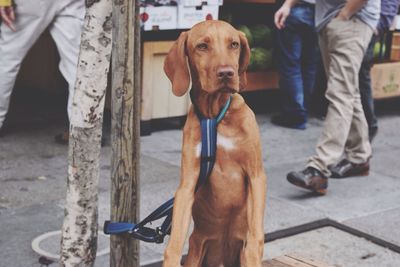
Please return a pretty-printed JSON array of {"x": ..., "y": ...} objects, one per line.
[
  {"x": 79, "y": 233},
  {"x": 125, "y": 129}
]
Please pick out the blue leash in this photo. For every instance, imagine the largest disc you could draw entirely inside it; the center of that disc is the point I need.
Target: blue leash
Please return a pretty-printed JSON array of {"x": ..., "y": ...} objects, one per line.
[{"x": 208, "y": 151}]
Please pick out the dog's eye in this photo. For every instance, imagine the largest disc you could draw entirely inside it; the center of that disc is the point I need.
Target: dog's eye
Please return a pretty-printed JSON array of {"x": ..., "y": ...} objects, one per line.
[
  {"x": 234, "y": 45},
  {"x": 202, "y": 46}
]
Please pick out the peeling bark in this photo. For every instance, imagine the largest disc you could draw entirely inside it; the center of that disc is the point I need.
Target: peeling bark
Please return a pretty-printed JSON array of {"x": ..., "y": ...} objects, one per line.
[{"x": 79, "y": 233}]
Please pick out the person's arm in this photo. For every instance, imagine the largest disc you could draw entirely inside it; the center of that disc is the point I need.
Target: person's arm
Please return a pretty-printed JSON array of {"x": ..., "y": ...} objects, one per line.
[
  {"x": 7, "y": 13},
  {"x": 283, "y": 13},
  {"x": 351, "y": 8},
  {"x": 389, "y": 10}
]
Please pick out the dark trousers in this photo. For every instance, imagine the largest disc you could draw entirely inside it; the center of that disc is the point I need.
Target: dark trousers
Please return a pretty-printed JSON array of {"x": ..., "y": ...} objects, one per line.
[
  {"x": 298, "y": 56},
  {"x": 367, "y": 99}
]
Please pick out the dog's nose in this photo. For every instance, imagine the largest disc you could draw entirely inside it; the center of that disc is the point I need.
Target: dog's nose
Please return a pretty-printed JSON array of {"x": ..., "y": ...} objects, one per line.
[{"x": 225, "y": 72}]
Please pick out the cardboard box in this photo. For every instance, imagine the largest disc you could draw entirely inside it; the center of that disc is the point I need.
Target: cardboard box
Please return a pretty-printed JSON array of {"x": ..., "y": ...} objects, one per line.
[
  {"x": 159, "y": 18},
  {"x": 385, "y": 80},
  {"x": 189, "y": 16}
]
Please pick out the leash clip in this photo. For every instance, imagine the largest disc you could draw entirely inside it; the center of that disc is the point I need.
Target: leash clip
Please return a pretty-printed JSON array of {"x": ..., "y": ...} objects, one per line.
[{"x": 159, "y": 236}]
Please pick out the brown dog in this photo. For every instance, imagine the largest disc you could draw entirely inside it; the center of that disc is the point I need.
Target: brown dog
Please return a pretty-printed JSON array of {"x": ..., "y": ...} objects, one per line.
[{"x": 228, "y": 210}]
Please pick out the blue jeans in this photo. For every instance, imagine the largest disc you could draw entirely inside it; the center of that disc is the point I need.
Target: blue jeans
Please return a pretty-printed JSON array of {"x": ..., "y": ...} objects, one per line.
[
  {"x": 365, "y": 86},
  {"x": 298, "y": 57}
]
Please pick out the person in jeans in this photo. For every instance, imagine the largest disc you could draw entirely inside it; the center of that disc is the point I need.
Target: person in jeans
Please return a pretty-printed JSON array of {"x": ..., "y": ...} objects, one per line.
[
  {"x": 23, "y": 22},
  {"x": 345, "y": 28},
  {"x": 389, "y": 10},
  {"x": 297, "y": 45}
]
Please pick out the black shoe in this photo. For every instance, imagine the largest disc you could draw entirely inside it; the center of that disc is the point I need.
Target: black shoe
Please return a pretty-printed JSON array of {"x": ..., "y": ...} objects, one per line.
[
  {"x": 346, "y": 169},
  {"x": 288, "y": 122},
  {"x": 310, "y": 179}
]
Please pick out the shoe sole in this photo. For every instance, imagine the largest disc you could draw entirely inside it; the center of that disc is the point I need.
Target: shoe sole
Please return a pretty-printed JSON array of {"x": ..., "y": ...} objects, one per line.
[
  {"x": 338, "y": 176},
  {"x": 296, "y": 182},
  {"x": 298, "y": 126}
]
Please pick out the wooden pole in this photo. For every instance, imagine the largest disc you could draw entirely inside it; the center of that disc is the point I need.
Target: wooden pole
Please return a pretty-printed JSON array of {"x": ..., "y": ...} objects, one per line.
[{"x": 125, "y": 129}]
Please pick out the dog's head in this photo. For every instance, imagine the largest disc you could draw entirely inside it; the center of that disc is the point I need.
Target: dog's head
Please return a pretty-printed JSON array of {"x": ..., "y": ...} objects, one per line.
[{"x": 213, "y": 54}]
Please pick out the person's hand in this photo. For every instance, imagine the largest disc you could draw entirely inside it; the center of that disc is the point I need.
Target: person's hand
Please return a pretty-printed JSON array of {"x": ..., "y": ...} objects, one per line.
[
  {"x": 8, "y": 16},
  {"x": 342, "y": 16},
  {"x": 281, "y": 15}
]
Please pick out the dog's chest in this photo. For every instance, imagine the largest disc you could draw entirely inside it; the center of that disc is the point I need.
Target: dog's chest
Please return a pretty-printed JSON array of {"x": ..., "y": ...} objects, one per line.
[{"x": 223, "y": 142}]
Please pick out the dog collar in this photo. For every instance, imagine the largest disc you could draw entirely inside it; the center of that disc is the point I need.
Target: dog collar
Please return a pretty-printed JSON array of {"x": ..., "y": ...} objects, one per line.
[{"x": 220, "y": 115}]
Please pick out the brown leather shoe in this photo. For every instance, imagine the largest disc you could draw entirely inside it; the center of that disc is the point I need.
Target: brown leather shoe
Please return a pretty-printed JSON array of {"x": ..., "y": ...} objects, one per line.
[
  {"x": 310, "y": 179},
  {"x": 346, "y": 169}
]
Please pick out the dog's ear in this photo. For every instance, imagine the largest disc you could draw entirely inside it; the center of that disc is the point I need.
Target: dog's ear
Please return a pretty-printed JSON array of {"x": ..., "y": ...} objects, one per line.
[
  {"x": 243, "y": 60},
  {"x": 176, "y": 68}
]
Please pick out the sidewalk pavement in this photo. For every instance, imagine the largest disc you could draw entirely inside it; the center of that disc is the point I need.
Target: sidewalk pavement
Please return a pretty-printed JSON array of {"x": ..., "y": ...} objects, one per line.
[{"x": 33, "y": 181}]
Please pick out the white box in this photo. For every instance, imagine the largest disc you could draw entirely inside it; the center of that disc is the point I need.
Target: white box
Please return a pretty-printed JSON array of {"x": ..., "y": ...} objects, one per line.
[
  {"x": 188, "y": 3},
  {"x": 160, "y": 17},
  {"x": 213, "y": 2},
  {"x": 192, "y": 3},
  {"x": 189, "y": 16},
  {"x": 396, "y": 23}
]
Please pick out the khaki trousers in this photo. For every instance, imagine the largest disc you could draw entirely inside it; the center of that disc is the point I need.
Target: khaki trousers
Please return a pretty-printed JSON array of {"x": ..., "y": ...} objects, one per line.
[
  {"x": 343, "y": 44},
  {"x": 64, "y": 19}
]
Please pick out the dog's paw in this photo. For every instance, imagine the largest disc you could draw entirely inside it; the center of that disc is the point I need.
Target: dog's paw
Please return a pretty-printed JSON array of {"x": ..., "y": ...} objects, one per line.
[
  {"x": 171, "y": 261},
  {"x": 252, "y": 256}
]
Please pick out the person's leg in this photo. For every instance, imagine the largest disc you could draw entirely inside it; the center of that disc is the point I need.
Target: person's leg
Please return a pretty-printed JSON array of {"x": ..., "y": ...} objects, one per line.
[
  {"x": 367, "y": 99},
  {"x": 318, "y": 102},
  {"x": 310, "y": 54},
  {"x": 289, "y": 45},
  {"x": 66, "y": 31},
  {"x": 347, "y": 167},
  {"x": 32, "y": 18},
  {"x": 347, "y": 42}
]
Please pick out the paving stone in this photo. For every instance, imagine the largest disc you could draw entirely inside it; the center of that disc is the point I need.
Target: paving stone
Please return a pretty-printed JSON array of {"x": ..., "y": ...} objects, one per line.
[
  {"x": 384, "y": 225},
  {"x": 346, "y": 198},
  {"x": 333, "y": 247},
  {"x": 18, "y": 229},
  {"x": 386, "y": 163},
  {"x": 33, "y": 175}
]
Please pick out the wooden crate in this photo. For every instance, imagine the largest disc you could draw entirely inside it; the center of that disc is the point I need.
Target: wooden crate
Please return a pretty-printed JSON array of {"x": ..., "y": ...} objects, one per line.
[
  {"x": 158, "y": 101},
  {"x": 293, "y": 261},
  {"x": 395, "y": 52}
]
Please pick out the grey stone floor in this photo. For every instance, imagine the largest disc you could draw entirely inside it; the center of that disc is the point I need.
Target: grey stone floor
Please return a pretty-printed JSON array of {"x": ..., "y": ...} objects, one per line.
[{"x": 33, "y": 180}]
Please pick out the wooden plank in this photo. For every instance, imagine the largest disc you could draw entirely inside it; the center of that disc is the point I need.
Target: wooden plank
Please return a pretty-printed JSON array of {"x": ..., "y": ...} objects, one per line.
[
  {"x": 274, "y": 263},
  {"x": 292, "y": 262},
  {"x": 311, "y": 262}
]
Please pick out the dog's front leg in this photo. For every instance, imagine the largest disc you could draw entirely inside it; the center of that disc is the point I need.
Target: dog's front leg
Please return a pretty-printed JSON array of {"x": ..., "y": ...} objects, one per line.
[
  {"x": 253, "y": 251},
  {"x": 184, "y": 196}
]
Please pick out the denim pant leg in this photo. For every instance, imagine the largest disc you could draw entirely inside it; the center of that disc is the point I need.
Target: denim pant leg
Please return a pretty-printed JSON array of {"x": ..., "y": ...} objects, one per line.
[
  {"x": 290, "y": 83},
  {"x": 291, "y": 46},
  {"x": 310, "y": 61},
  {"x": 367, "y": 99}
]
